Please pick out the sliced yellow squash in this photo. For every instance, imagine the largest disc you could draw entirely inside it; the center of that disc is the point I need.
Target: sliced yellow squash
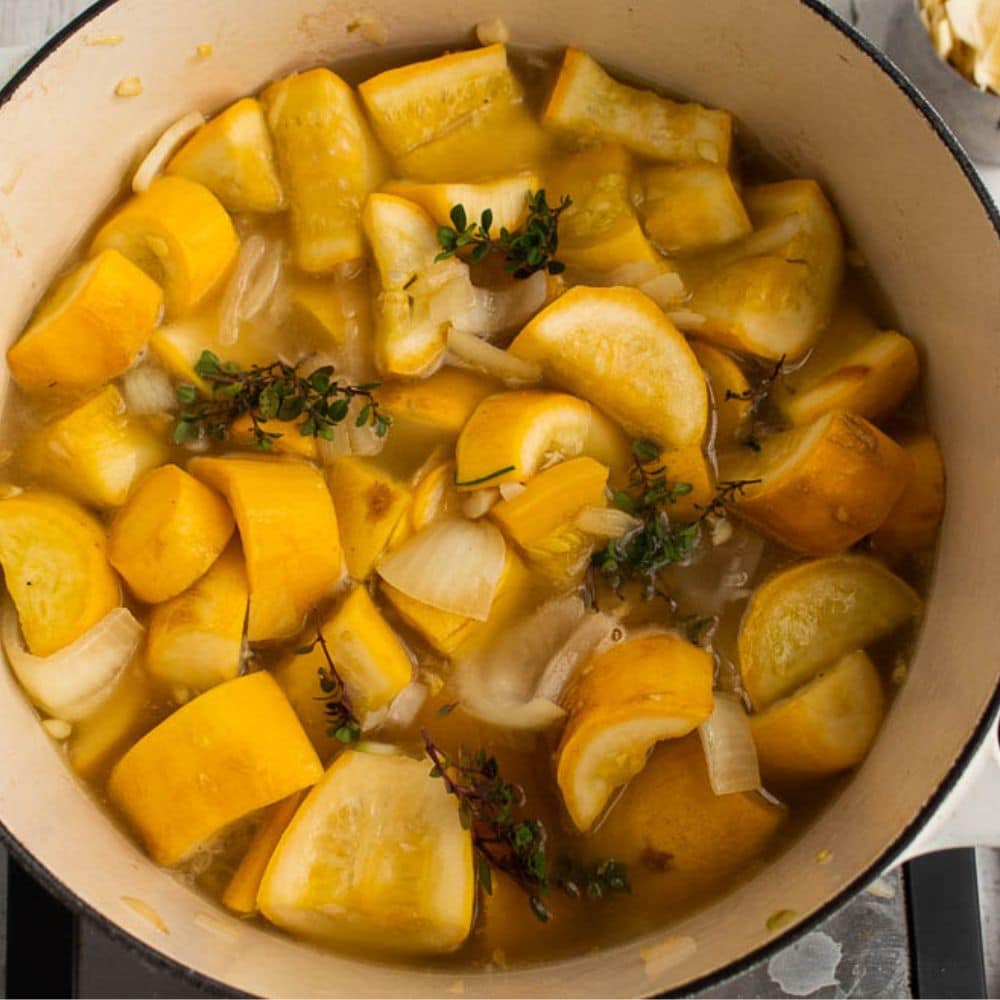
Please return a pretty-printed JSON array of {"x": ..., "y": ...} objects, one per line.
[
  {"x": 809, "y": 616},
  {"x": 912, "y": 523},
  {"x": 728, "y": 383},
  {"x": 89, "y": 328}
]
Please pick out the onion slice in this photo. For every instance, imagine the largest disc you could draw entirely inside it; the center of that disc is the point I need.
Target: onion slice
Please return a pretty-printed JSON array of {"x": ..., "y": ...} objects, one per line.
[
  {"x": 729, "y": 748},
  {"x": 476, "y": 353},
  {"x": 252, "y": 253},
  {"x": 453, "y": 565},
  {"x": 156, "y": 159},
  {"x": 147, "y": 389},
  {"x": 73, "y": 682},
  {"x": 594, "y": 633},
  {"x": 606, "y": 522},
  {"x": 405, "y": 707}
]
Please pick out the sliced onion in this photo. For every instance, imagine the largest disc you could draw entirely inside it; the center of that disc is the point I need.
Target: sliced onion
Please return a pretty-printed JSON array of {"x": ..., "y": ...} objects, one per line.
[
  {"x": 593, "y": 634},
  {"x": 729, "y": 748},
  {"x": 329, "y": 451},
  {"x": 264, "y": 281},
  {"x": 770, "y": 239},
  {"x": 73, "y": 682},
  {"x": 147, "y": 389},
  {"x": 453, "y": 565},
  {"x": 686, "y": 320},
  {"x": 666, "y": 289},
  {"x": 252, "y": 252},
  {"x": 478, "y": 503},
  {"x": 606, "y": 522},
  {"x": 406, "y": 706},
  {"x": 363, "y": 440},
  {"x": 476, "y": 353},
  {"x": 496, "y": 311},
  {"x": 156, "y": 159},
  {"x": 510, "y": 490}
]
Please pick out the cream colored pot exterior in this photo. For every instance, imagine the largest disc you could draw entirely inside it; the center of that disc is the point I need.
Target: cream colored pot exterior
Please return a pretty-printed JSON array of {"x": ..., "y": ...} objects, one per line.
[{"x": 817, "y": 101}]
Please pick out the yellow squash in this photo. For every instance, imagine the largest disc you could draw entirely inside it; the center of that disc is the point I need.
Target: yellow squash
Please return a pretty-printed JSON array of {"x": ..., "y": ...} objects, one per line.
[
  {"x": 168, "y": 534},
  {"x": 727, "y": 380},
  {"x": 912, "y": 523},
  {"x": 56, "y": 569},
  {"x": 288, "y": 528},
  {"x": 233, "y": 750},
  {"x": 89, "y": 328}
]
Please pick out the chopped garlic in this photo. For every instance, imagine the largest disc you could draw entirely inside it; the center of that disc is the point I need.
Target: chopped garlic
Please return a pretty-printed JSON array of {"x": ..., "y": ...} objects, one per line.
[
  {"x": 129, "y": 86},
  {"x": 721, "y": 530},
  {"x": 492, "y": 31}
]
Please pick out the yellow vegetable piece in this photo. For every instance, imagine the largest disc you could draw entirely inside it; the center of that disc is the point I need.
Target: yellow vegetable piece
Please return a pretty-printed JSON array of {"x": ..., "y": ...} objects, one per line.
[
  {"x": 622, "y": 702},
  {"x": 233, "y": 750},
  {"x": 823, "y": 487},
  {"x": 332, "y": 312},
  {"x": 540, "y": 520},
  {"x": 726, "y": 379},
  {"x": 288, "y": 528},
  {"x": 409, "y": 338},
  {"x": 599, "y": 230},
  {"x": 232, "y": 155},
  {"x": 291, "y": 442},
  {"x": 670, "y": 823},
  {"x": 689, "y": 465},
  {"x": 196, "y": 638},
  {"x": 89, "y": 328},
  {"x": 510, "y": 435},
  {"x": 96, "y": 452},
  {"x": 824, "y": 727},
  {"x": 615, "y": 348},
  {"x": 55, "y": 567},
  {"x": 370, "y": 504},
  {"x": 812, "y": 614},
  {"x": 773, "y": 304},
  {"x": 168, "y": 533},
  {"x": 241, "y": 893},
  {"x": 912, "y": 523},
  {"x": 411, "y": 105},
  {"x": 174, "y": 347},
  {"x": 375, "y": 858},
  {"x": 506, "y": 198},
  {"x": 693, "y": 206},
  {"x": 588, "y": 102},
  {"x": 179, "y": 234},
  {"x": 608, "y": 444},
  {"x": 435, "y": 496},
  {"x": 328, "y": 161}
]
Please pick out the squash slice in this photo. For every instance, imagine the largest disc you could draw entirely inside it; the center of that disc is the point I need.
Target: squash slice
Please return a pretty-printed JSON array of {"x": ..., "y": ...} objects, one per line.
[{"x": 913, "y": 522}]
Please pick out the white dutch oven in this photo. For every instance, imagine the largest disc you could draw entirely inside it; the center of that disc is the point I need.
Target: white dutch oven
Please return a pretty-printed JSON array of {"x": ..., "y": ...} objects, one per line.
[{"x": 828, "y": 106}]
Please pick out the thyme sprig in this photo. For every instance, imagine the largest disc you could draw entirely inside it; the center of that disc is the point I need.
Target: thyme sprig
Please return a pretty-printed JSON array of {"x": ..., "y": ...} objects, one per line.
[
  {"x": 594, "y": 880},
  {"x": 277, "y": 391},
  {"x": 756, "y": 396},
  {"x": 342, "y": 724},
  {"x": 656, "y": 542},
  {"x": 529, "y": 249}
]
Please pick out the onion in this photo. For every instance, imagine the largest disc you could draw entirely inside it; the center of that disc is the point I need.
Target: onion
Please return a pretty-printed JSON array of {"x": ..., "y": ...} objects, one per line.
[
  {"x": 477, "y": 503},
  {"x": 769, "y": 240},
  {"x": 476, "y": 353},
  {"x": 729, "y": 747},
  {"x": 406, "y": 706},
  {"x": 510, "y": 490},
  {"x": 73, "y": 682},
  {"x": 685, "y": 319},
  {"x": 496, "y": 311},
  {"x": 329, "y": 451},
  {"x": 148, "y": 389},
  {"x": 156, "y": 159},
  {"x": 666, "y": 289},
  {"x": 252, "y": 252},
  {"x": 606, "y": 522},
  {"x": 266, "y": 276},
  {"x": 453, "y": 565},
  {"x": 594, "y": 633},
  {"x": 499, "y": 685}
]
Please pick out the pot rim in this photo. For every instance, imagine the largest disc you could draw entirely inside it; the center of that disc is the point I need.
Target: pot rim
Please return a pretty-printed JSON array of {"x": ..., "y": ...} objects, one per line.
[{"x": 981, "y": 732}]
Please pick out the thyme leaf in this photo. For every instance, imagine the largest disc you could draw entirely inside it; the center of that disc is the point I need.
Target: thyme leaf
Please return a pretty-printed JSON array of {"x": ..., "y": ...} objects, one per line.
[
  {"x": 342, "y": 724},
  {"x": 756, "y": 396},
  {"x": 594, "y": 880}
]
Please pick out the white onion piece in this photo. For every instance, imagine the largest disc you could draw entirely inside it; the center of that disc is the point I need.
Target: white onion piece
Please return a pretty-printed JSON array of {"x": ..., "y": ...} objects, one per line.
[
  {"x": 767, "y": 240},
  {"x": 594, "y": 633},
  {"x": 476, "y": 353},
  {"x": 453, "y": 565},
  {"x": 363, "y": 440},
  {"x": 251, "y": 254},
  {"x": 497, "y": 310},
  {"x": 531, "y": 716},
  {"x": 329, "y": 451},
  {"x": 455, "y": 299},
  {"x": 263, "y": 281},
  {"x": 406, "y": 706},
  {"x": 148, "y": 389},
  {"x": 510, "y": 490},
  {"x": 478, "y": 503},
  {"x": 729, "y": 748},
  {"x": 686, "y": 320},
  {"x": 666, "y": 289},
  {"x": 156, "y": 159},
  {"x": 606, "y": 522},
  {"x": 73, "y": 682}
]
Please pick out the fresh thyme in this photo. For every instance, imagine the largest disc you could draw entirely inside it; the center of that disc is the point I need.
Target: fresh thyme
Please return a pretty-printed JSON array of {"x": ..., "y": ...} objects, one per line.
[
  {"x": 276, "y": 391},
  {"x": 341, "y": 721},
  {"x": 526, "y": 250},
  {"x": 656, "y": 542},
  {"x": 594, "y": 880},
  {"x": 756, "y": 397}
]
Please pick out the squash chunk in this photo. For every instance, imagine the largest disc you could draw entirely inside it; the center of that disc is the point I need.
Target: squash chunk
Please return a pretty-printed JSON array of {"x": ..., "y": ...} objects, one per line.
[
  {"x": 692, "y": 207},
  {"x": 411, "y": 105},
  {"x": 291, "y": 442},
  {"x": 688, "y": 465},
  {"x": 540, "y": 520},
  {"x": 179, "y": 234},
  {"x": 727, "y": 380},
  {"x": 824, "y": 727},
  {"x": 621, "y": 703},
  {"x": 168, "y": 533},
  {"x": 196, "y": 638},
  {"x": 587, "y": 101},
  {"x": 55, "y": 567},
  {"x": 288, "y": 527},
  {"x": 616, "y": 349},
  {"x": 599, "y": 230},
  {"x": 773, "y": 293},
  {"x": 233, "y": 750},
  {"x": 232, "y": 155},
  {"x": 89, "y": 328},
  {"x": 328, "y": 162},
  {"x": 806, "y": 617},
  {"x": 370, "y": 504},
  {"x": 96, "y": 452},
  {"x": 912, "y": 523},
  {"x": 823, "y": 487}
]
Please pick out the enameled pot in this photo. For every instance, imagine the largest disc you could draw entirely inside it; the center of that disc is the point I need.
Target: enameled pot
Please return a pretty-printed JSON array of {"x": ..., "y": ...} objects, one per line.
[{"x": 819, "y": 98}]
